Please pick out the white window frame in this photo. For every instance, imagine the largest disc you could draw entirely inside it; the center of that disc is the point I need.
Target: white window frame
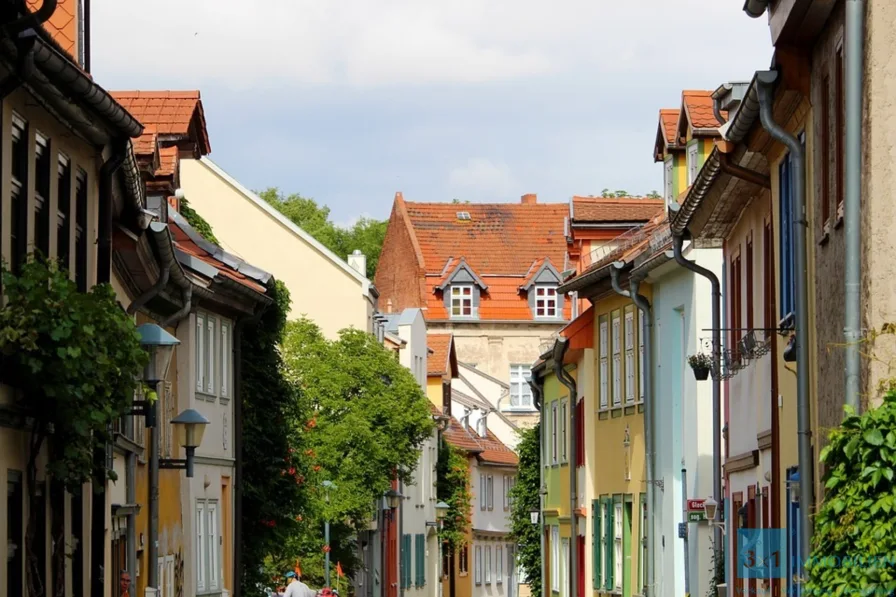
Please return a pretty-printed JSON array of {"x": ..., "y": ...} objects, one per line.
[
  {"x": 477, "y": 573},
  {"x": 604, "y": 364},
  {"x": 226, "y": 360},
  {"x": 499, "y": 564},
  {"x": 488, "y": 564},
  {"x": 483, "y": 499},
  {"x": 201, "y": 352},
  {"x": 546, "y": 294},
  {"x": 201, "y": 570},
  {"x": 554, "y": 451},
  {"x": 505, "y": 480},
  {"x": 457, "y": 297},
  {"x": 211, "y": 324},
  {"x": 617, "y": 544},
  {"x": 520, "y": 390},
  {"x": 617, "y": 359},
  {"x": 555, "y": 558},
  {"x": 491, "y": 492},
  {"x": 169, "y": 576},
  {"x": 214, "y": 543},
  {"x": 564, "y": 566},
  {"x": 693, "y": 152},
  {"x": 564, "y": 431},
  {"x": 668, "y": 180},
  {"x": 641, "y": 372},
  {"x": 160, "y": 571},
  {"x": 629, "y": 357}
]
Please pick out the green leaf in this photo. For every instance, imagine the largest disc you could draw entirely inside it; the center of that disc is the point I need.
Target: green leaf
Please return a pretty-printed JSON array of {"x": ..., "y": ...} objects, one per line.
[
  {"x": 874, "y": 437},
  {"x": 850, "y": 448}
]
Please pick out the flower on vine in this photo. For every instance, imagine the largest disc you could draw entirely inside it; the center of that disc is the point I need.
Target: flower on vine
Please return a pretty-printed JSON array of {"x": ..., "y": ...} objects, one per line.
[
  {"x": 316, "y": 467},
  {"x": 292, "y": 470}
]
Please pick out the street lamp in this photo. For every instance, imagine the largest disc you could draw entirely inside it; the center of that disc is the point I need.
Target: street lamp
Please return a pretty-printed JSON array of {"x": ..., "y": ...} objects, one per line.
[
  {"x": 159, "y": 345},
  {"x": 393, "y": 499},
  {"x": 533, "y": 516},
  {"x": 328, "y": 485},
  {"x": 441, "y": 512},
  {"x": 711, "y": 511},
  {"x": 190, "y": 427}
]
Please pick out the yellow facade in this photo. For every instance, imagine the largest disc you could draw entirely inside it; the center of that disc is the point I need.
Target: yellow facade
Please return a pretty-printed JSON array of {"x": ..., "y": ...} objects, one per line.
[{"x": 617, "y": 451}]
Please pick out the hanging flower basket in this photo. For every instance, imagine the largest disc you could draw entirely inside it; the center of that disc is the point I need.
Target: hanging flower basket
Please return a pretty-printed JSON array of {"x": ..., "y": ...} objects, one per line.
[{"x": 701, "y": 364}]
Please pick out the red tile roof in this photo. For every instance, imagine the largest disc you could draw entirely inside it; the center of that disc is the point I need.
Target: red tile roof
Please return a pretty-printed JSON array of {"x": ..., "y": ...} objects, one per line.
[
  {"x": 439, "y": 362},
  {"x": 172, "y": 112},
  {"x": 503, "y": 300},
  {"x": 533, "y": 270},
  {"x": 489, "y": 449},
  {"x": 669, "y": 123},
  {"x": 499, "y": 238},
  {"x": 183, "y": 242},
  {"x": 615, "y": 209},
  {"x": 580, "y": 330},
  {"x": 168, "y": 161},
  {"x": 146, "y": 144},
  {"x": 61, "y": 25},
  {"x": 697, "y": 106}
]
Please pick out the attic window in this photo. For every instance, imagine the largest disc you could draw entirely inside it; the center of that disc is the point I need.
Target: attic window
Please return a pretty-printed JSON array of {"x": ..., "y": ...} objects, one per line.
[
  {"x": 463, "y": 215},
  {"x": 545, "y": 301},
  {"x": 461, "y": 300}
]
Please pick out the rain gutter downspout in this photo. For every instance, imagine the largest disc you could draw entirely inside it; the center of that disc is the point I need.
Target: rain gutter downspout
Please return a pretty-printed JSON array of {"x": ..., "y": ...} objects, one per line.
[
  {"x": 140, "y": 301},
  {"x": 852, "y": 202},
  {"x": 643, "y": 305},
  {"x": 677, "y": 241},
  {"x": 766, "y": 81},
  {"x": 537, "y": 385},
  {"x": 560, "y": 348}
]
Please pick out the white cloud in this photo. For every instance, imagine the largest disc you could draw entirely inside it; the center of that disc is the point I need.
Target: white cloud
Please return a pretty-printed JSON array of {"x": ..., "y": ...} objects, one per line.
[
  {"x": 483, "y": 177},
  {"x": 362, "y": 43}
]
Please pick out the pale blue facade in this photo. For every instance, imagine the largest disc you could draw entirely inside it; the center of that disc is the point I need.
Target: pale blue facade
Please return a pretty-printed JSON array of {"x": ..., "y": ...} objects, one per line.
[{"x": 683, "y": 435}]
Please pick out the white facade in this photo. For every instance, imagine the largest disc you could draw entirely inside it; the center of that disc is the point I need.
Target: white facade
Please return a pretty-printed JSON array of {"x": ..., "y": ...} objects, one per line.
[
  {"x": 205, "y": 383},
  {"x": 682, "y": 309},
  {"x": 492, "y": 552},
  {"x": 419, "y": 546},
  {"x": 476, "y": 389}
]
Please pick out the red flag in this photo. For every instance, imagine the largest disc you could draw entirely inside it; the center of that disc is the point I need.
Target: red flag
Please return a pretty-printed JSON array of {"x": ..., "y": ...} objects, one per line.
[
  {"x": 298, "y": 570},
  {"x": 339, "y": 572}
]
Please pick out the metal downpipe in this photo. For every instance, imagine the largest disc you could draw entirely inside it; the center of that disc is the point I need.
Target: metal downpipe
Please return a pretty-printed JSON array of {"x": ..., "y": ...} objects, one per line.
[
  {"x": 852, "y": 202},
  {"x": 677, "y": 242},
  {"x": 766, "y": 81},
  {"x": 537, "y": 386},
  {"x": 560, "y": 348},
  {"x": 650, "y": 414}
]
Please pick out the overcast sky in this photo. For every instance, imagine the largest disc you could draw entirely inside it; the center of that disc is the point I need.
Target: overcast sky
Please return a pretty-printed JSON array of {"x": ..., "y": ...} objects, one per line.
[{"x": 349, "y": 101}]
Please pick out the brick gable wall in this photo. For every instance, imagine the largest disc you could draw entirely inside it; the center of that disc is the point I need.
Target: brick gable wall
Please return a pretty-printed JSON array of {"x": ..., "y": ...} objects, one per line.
[{"x": 399, "y": 276}]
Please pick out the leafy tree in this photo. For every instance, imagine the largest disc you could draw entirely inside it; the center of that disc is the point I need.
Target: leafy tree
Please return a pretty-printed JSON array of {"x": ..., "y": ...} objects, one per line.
[
  {"x": 452, "y": 487},
  {"x": 367, "y": 418},
  {"x": 274, "y": 476},
  {"x": 525, "y": 496},
  {"x": 76, "y": 358},
  {"x": 198, "y": 223},
  {"x": 366, "y": 234},
  {"x": 854, "y": 545},
  {"x": 654, "y": 195}
]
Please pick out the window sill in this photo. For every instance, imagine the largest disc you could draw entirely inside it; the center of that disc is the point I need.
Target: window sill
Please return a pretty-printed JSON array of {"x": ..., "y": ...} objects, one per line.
[
  {"x": 519, "y": 410},
  {"x": 206, "y": 396}
]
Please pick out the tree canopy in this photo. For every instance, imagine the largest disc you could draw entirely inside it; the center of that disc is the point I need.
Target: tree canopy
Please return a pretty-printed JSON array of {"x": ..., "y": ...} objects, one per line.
[
  {"x": 525, "y": 498},
  {"x": 366, "y": 234}
]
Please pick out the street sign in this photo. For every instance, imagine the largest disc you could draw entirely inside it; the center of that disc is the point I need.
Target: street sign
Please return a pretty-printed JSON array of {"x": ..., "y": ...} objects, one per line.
[
  {"x": 696, "y": 512},
  {"x": 682, "y": 530}
]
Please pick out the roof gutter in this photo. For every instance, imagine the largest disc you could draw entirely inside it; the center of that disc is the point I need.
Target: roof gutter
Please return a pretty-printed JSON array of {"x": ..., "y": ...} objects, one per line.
[
  {"x": 755, "y": 8},
  {"x": 168, "y": 260},
  {"x": 560, "y": 348},
  {"x": 766, "y": 84},
  {"x": 677, "y": 242},
  {"x": 32, "y": 19}
]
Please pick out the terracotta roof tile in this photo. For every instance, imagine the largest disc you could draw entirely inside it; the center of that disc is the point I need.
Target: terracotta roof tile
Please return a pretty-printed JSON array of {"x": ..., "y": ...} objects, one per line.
[
  {"x": 439, "y": 362},
  {"x": 168, "y": 161},
  {"x": 502, "y": 300},
  {"x": 533, "y": 270},
  {"x": 146, "y": 144},
  {"x": 669, "y": 122},
  {"x": 499, "y": 238},
  {"x": 495, "y": 452},
  {"x": 615, "y": 209},
  {"x": 461, "y": 438},
  {"x": 61, "y": 24},
  {"x": 171, "y": 112},
  {"x": 186, "y": 244},
  {"x": 698, "y": 108},
  {"x": 487, "y": 449}
]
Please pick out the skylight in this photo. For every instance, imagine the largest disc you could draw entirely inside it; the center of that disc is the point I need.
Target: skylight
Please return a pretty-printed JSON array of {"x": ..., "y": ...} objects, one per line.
[{"x": 463, "y": 215}]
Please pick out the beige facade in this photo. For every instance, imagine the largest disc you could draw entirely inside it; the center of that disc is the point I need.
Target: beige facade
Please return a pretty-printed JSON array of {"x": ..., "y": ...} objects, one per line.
[{"x": 322, "y": 285}]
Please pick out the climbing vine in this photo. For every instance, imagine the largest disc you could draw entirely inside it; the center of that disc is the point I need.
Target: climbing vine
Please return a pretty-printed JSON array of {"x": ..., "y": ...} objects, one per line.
[
  {"x": 525, "y": 498},
  {"x": 273, "y": 480},
  {"x": 75, "y": 360},
  {"x": 198, "y": 223},
  {"x": 453, "y": 487},
  {"x": 854, "y": 545}
]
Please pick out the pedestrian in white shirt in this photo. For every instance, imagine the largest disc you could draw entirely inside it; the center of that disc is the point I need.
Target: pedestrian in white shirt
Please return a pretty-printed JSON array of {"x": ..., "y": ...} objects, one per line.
[{"x": 296, "y": 587}]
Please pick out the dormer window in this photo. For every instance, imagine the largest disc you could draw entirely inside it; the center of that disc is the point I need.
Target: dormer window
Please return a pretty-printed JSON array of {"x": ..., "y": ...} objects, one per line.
[
  {"x": 668, "y": 181},
  {"x": 546, "y": 301},
  {"x": 693, "y": 162},
  {"x": 461, "y": 300}
]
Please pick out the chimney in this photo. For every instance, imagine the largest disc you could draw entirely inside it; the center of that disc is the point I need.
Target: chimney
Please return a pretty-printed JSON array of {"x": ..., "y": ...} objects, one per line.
[
  {"x": 388, "y": 305},
  {"x": 67, "y": 26},
  {"x": 465, "y": 420},
  {"x": 358, "y": 262},
  {"x": 482, "y": 424},
  {"x": 529, "y": 199}
]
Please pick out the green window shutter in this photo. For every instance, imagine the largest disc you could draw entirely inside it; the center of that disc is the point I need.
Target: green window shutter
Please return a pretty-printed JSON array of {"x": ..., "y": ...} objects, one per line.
[
  {"x": 404, "y": 560},
  {"x": 595, "y": 544},
  {"x": 609, "y": 581},
  {"x": 405, "y": 564},
  {"x": 421, "y": 556}
]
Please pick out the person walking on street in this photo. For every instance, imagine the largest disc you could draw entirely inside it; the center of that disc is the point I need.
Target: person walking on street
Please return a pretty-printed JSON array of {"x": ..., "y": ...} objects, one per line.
[{"x": 296, "y": 587}]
